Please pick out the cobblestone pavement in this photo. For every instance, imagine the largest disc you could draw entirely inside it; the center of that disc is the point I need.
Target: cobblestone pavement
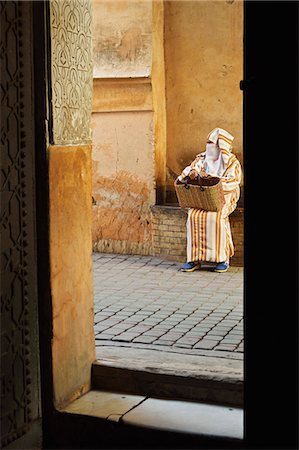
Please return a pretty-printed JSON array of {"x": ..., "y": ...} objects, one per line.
[{"x": 146, "y": 302}]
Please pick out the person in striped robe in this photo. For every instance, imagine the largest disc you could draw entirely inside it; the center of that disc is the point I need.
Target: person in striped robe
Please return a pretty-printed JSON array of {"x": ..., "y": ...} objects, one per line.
[{"x": 209, "y": 237}]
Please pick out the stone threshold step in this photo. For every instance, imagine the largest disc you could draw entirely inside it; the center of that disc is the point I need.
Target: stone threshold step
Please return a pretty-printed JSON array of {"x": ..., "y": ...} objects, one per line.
[
  {"x": 165, "y": 375},
  {"x": 142, "y": 420}
]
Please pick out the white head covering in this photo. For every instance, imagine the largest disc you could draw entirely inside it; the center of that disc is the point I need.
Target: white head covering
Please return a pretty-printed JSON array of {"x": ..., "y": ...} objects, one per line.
[{"x": 223, "y": 140}]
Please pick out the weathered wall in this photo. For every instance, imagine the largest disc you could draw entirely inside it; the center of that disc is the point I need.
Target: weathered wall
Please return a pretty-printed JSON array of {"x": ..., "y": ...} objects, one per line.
[
  {"x": 123, "y": 181},
  {"x": 159, "y": 100},
  {"x": 204, "y": 65},
  {"x": 122, "y": 121},
  {"x": 73, "y": 342},
  {"x": 73, "y": 345},
  {"x": 122, "y": 38}
]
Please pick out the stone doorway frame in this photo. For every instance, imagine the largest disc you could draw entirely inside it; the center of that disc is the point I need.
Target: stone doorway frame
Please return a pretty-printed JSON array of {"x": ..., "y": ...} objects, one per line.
[
  {"x": 63, "y": 186},
  {"x": 60, "y": 422}
]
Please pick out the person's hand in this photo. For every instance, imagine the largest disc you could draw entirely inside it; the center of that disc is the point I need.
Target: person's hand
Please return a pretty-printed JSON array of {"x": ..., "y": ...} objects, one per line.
[
  {"x": 203, "y": 174},
  {"x": 193, "y": 174}
]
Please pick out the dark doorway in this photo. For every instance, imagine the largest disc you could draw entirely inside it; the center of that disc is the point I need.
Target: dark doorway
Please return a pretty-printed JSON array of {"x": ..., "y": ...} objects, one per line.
[{"x": 19, "y": 313}]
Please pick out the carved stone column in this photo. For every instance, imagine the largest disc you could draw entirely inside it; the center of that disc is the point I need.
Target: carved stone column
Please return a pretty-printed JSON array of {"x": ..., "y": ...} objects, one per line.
[{"x": 73, "y": 345}]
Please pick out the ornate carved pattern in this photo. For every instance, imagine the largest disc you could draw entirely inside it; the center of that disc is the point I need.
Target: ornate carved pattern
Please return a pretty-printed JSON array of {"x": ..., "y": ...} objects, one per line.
[
  {"x": 19, "y": 335},
  {"x": 71, "y": 40}
]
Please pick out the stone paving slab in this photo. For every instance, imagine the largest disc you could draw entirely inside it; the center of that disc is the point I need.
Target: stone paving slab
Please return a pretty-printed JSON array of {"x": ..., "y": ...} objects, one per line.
[
  {"x": 195, "y": 366},
  {"x": 147, "y": 302}
]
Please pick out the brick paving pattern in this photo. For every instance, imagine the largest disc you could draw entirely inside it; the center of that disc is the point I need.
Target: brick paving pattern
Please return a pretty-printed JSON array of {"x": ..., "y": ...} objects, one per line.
[{"x": 147, "y": 302}]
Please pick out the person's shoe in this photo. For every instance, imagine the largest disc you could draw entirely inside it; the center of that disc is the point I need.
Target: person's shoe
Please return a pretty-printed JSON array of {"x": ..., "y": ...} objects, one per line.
[
  {"x": 221, "y": 267},
  {"x": 190, "y": 266}
]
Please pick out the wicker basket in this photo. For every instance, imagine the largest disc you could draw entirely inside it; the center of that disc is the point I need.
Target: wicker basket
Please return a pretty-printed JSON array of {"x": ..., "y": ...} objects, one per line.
[{"x": 207, "y": 194}]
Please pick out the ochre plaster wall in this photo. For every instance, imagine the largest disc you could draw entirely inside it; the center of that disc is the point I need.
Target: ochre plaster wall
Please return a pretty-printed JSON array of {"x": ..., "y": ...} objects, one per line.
[
  {"x": 73, "y": 344},
  {"x": 122, "y": 94},
  {"x": 123, "y": 181},
  {"x": 159, "y": 100},
  {"x": 122, "y": 121},
  {"x": 204, "y": 65},
  {"x": 122, "y": 38}
]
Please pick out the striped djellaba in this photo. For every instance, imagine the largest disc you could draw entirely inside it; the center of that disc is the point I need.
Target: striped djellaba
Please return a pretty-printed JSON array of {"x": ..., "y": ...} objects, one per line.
[{"x": 209, "y": 237}]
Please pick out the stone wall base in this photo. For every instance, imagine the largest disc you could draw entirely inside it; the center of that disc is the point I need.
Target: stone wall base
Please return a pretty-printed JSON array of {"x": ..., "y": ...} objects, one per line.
[
  {"x": 169, "y": 239},
  {"x": 169, "y": 232},
  {"x": 122, "y": 247}
]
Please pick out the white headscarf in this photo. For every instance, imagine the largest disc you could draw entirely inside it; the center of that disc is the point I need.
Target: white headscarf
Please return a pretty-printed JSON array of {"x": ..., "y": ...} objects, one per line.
[{"x": 223, "y": 140}]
